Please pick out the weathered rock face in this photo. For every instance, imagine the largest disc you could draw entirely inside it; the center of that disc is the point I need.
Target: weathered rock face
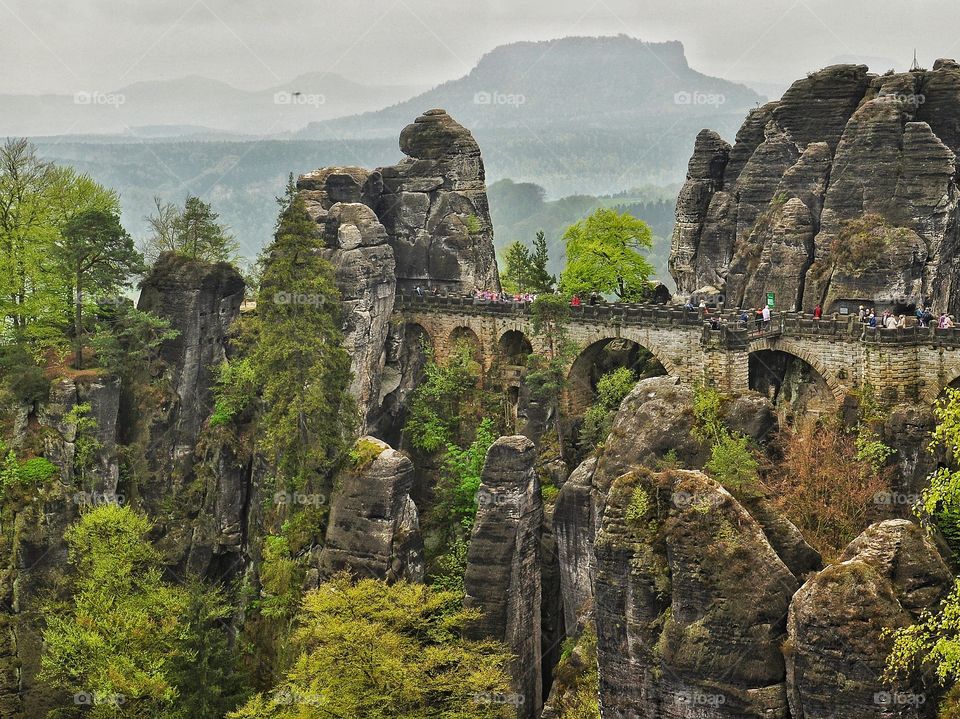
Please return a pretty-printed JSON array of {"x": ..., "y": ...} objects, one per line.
[
  {"x": 774, "y": 212},
  {"x": 836, "y": 652},
  {"x": 423, "y": 222},
  {"x": 365, "y": 273},
  {"x": 503, "y": 565},
  {"x": 691, "y": 603},
  {"x": 374, "y": 527},
  {"x": 201, "y": 302},
  {"x": 654, "y": 419},
  {"x": 433, "y": 205}
]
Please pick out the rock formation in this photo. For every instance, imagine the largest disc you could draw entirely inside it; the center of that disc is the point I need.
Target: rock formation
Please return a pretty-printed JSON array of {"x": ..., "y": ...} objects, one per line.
[
  {"x": 200, "y": 301},
  {"x": 374, "y": 527},
  {"x": 836, "y": 650},
  {"x": 503, "y": 564},
  {"x": 842, "y": 193},
  {"x": 423, "y": 222},
  {"x": 691, "y": 603}
]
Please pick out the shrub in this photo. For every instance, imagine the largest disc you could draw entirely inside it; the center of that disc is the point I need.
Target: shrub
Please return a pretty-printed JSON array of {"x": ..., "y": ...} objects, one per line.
[
  {"x": 823, "y": 487},
  {"x": 638, "y": 507},
  {"x": 862, "y": 243}
]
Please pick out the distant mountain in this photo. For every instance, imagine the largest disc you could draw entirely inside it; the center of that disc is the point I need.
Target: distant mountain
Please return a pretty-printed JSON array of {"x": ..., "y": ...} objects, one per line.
[
  {"x": 194, "y": 101},
  {"x": 574, "y": 83}
]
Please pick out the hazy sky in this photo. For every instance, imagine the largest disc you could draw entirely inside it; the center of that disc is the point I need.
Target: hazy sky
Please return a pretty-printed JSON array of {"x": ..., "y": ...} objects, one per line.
[{"x": 68, "y": 45}]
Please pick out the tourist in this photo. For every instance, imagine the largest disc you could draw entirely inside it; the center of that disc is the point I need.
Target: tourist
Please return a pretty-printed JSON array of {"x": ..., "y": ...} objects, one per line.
[
  {"x": 817, "y": 312},
  {"x": 766, "y": 317},
  {"x": 902, "y": 322},
  {"x": 918, "y": 313},
  {"x": 872, "y": 320},
  {"x": 942, "y": 321},
  {"x": 594, "y": 297},
  {"x": 575, "y": 302},
  {"x": 950, "y": 323},
  {"x": 862, "y": 314},
  {"x": 689, "y": 305},
  {"x": 890, "y": 321},
  {"x": 743, "y": 319},
  {"x": 757, "y": 319},
  {"x": 419, "y": 290}
]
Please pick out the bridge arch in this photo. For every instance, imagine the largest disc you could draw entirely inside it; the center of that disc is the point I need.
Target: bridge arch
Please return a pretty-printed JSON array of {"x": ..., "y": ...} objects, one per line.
[
  {"x": 466, "y": 334},
  {"x": 771, "y": 359},
  {"x": 604, "y": 355},
  {"x": 513, "y": 347}
]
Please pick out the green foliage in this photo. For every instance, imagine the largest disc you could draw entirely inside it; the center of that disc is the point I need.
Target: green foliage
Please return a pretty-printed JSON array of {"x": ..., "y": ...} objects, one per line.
[
  {"x": 444, "y": 400},
  {"x": 193, "y": 232},
  {"x": 612, "y": 388},
  {"x": 48, "y": 216},
  {"x": 577, "y": 678},
  {"x": 604, "y": 256},
  {"x": 136, "y": 644},
  {"x": 86, "y": 444},
  {"x": 391, "y": 651},
  {"x": 234, "y": 390},
  {"x": 126, "y": 340},
  {"x": 472, "y": 223},
  {"x": 295, "y": 356},
  {"x": 364, "y": 452},
  {"x": 456, "y": 490},
  {"x": 17, "y": 476},
  {"x": 21, "y": 378},
  {"x": 526, "y": 270},
  {"x": 638, "y": 507},
  {"x": 95, "y": 255},
  {"x": 932, "y": 643},
  {"x": 281, "y": 578},
  {"x": 732, "y": 461}
]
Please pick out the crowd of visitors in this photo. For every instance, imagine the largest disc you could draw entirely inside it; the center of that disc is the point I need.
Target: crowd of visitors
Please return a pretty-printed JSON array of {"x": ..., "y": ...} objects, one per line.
[{"x": 922, "y": 317}]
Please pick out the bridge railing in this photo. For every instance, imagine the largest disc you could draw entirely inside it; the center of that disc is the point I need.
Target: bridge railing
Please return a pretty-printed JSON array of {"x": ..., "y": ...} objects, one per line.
[{"x": 732, "y": 330}]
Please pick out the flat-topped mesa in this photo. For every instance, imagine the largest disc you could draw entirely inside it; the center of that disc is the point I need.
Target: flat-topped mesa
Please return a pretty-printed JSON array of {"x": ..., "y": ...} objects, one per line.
[
  {"x": 433, "y": 205},
  {"x": 842, "y": 193}
]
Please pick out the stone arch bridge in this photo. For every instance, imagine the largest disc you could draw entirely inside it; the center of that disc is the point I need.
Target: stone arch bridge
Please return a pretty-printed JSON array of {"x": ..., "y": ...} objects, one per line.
[{"x": 912, "y": 364}]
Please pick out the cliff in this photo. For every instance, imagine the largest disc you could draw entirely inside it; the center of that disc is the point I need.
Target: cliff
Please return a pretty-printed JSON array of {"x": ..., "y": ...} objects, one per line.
[{"x": 841, "y": 193}]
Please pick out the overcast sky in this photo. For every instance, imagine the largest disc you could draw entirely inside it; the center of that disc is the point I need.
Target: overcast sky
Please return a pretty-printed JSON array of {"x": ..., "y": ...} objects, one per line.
[{"x": 64, "y": 46}]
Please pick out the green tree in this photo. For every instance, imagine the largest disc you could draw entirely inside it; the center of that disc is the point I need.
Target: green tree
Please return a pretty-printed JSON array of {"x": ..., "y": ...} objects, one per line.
[
  {"x": 294, "y": 355},
  {"x": 127, "y": 644},
  {"x": 515, "y": 276},
  {"x": 193, "y": 231},
  {"x": 397, "y": 651},
  {"x": 541, "y": 281},
  {"x": 604, "y": 256},
  {"x": 98, "y": 256},
  {"x": 113, "y": 642}
]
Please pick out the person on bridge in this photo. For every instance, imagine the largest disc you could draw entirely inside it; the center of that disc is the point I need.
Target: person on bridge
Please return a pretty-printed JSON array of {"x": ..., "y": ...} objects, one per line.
[
  {"x": 419, "y": 291},
  {"x": 575, "y": 302},
  {"x": 862, "y": 314},
  {"x": 889, "y": 320},
  {"x": 766, "y": 317},
  {"x": 757, "y": 318},
  {"x": 743, "y": 319},
  {"x": 872, "y": 319},
  {"x": 817, "y": 312}
]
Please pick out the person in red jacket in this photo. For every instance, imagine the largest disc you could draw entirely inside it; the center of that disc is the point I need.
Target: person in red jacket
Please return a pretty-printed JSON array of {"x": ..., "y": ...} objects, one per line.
[
  {"x": 817, "y": 312},
  {"x": 575, "y": 302}
]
